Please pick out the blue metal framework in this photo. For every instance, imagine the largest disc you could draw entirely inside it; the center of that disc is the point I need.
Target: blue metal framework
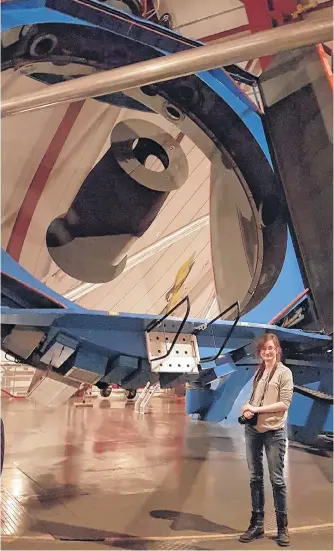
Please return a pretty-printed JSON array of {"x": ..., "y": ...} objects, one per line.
[{"x": 112, "y": 349}]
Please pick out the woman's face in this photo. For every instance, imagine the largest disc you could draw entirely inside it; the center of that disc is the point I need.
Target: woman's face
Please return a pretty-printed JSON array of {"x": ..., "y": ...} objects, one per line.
[{"x": 269, "y": 352}]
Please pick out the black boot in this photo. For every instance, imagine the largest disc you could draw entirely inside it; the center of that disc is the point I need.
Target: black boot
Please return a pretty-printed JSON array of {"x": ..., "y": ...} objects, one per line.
[
  {"x": 282, "y": 530},
  {"x": 255, "y": 529}
]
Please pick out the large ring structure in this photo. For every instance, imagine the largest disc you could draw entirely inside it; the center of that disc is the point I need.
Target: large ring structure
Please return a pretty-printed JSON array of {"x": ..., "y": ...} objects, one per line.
[{"x": 248, "y": 226}]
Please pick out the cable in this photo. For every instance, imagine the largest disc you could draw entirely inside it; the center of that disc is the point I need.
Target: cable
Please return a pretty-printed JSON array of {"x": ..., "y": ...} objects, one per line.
[
  {"x": 144, "y": 8},
  {"x": 153, "y": 12}
]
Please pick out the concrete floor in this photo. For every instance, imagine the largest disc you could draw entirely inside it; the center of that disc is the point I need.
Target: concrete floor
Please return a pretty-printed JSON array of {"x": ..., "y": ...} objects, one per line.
[{"x": 105, "y": 477}]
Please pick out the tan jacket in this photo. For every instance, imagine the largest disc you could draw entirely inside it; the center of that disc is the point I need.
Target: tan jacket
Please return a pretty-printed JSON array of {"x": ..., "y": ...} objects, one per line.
[{"x": 280, "y": 389}]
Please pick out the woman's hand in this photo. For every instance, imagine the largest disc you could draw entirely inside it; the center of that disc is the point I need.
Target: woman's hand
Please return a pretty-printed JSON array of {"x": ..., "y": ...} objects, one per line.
[
  {"x": 252, "y": 409},
  {"x": 244, "y": 408},
  {"x": 246, "y": 411},
  {"x": 248, "y": 414}
]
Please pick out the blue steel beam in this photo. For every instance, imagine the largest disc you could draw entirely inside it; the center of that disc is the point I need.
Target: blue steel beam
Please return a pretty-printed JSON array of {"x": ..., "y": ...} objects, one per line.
[
  {"x": 124, "y": 334},
  {"x": 113, "y": 350}
]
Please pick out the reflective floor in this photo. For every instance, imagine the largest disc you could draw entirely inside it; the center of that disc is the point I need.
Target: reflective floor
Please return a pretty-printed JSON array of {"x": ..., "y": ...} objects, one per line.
[{"x": 105, "y": 477}]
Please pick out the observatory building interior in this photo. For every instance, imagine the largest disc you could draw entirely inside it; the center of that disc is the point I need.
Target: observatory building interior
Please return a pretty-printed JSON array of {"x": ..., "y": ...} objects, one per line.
[{"x": 167, "y": 274}]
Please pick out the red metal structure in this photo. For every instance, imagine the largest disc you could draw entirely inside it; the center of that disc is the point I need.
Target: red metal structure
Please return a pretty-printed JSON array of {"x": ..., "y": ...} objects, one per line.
[{"x": 267, "y": 14}]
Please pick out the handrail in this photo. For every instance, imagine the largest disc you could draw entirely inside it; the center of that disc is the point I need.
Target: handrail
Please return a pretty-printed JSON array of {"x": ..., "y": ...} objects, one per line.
[
  {"x": 169, "y": 67},
  {"x": 213, "y": 358}
]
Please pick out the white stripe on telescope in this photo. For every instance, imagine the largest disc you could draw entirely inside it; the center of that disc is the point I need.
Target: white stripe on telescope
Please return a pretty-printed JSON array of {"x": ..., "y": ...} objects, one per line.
[{"x": 141, "y": 256}]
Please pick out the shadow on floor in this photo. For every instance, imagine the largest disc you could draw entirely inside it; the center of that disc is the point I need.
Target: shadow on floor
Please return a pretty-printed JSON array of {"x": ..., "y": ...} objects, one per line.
[
  {"x": 322, "y": 458},
  {"x": 189, "y": 521},
  {"x": 71, "y": 533},
  {"x": 310, "y": 450}
]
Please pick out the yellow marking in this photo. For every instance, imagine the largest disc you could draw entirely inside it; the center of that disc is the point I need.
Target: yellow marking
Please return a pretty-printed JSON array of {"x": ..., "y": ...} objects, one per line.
[
  {"x": 300, "y": 9},
  {"x": 296, "y": 530},
  {"x": 174, "y": 294}
]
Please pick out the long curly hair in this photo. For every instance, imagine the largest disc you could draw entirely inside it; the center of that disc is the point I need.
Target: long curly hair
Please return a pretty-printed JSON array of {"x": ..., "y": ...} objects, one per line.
[{"x": 258, "y": 347}]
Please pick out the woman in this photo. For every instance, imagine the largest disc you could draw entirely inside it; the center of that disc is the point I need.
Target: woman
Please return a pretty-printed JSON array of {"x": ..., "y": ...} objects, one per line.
[{"x": 270, "y": 400}]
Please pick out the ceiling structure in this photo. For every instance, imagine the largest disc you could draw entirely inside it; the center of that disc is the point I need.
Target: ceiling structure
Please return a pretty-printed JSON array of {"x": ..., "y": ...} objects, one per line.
[{"x": 47, "y": 154}]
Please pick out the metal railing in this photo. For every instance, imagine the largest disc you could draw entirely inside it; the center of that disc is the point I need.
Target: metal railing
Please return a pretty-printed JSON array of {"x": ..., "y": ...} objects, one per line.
[
  {"x": 172, "y": 66},
  {"x": 229, "y": 333}
]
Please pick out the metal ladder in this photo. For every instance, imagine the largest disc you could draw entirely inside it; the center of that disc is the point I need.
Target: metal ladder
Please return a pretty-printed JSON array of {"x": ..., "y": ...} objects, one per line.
[{"x": 145, "y": 396}]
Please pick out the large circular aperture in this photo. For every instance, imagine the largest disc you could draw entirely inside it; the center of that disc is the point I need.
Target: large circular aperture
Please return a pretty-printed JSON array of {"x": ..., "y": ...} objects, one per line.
[{"x": 248, "y": 230}]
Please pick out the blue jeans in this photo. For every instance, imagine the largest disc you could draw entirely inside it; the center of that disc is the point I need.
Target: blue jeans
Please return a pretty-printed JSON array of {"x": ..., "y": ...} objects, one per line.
[{"x": 274, "y": 442}]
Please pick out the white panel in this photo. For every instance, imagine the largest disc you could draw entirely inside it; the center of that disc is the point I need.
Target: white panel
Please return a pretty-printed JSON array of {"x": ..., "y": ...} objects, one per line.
[
  {"x": 184, "y": 357},
  {"x": 82, "y": 375},
  {"x": 24, "y": 140},
  {"x": 23, "y": 340},
  {"x": 50, "y": 390},
  {"x": 74, "y": 163},
  {"x": 63, "y": 396},
  {"x": 57, "y": 355}
]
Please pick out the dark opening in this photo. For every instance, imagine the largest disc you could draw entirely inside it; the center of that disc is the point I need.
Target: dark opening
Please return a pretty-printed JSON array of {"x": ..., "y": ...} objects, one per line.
[
  {"x": 14, "y": 293},
  {"x": 173, "y": 112},
  {"x": 270, "y": 210},
  {"x": 43, "y": 45},
  {"x": 186, "y": 94},
  {"x": 150, "y": 90},
  {"x": 150, "y": 154}
]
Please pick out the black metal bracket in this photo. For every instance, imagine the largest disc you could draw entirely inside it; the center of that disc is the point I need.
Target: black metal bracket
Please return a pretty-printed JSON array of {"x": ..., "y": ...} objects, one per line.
[
  {"x": 205, "y": 326},
  {"x": 240, "y": 353},
  {"x": 155, "y": 323}
]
